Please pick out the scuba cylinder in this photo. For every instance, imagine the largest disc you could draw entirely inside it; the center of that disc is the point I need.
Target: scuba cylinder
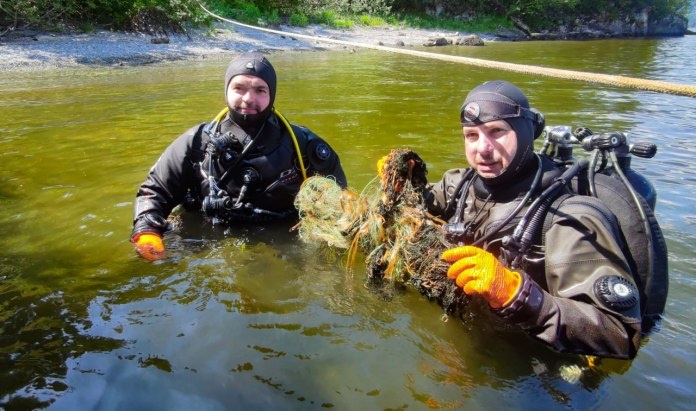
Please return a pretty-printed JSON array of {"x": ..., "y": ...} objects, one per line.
[{"x": 608, "y": 176}]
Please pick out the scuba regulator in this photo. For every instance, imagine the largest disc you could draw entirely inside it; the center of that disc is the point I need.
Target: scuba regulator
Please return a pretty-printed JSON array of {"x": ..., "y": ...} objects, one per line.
[
  {"x": 607, "y": 175},
  {"x": 227, "y": 151},
  {"x": 614, "y": 146},
  {"x": 615, "y": 152}
]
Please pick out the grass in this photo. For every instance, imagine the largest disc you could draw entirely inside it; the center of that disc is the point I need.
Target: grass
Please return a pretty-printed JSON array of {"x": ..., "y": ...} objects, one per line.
[
  {"x": 480, "y": 24},
  {"x": 250, "y": 14}
]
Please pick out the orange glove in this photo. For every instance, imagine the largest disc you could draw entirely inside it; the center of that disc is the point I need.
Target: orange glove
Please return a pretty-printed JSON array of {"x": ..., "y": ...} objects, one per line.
[
  {"x": 149, "y": 246},
  {"x": 477, "y": 271}
]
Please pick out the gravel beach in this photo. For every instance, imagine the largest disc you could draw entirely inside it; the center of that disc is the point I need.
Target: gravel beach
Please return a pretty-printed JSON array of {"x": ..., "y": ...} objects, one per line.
[{"x": 30, "y": 51}]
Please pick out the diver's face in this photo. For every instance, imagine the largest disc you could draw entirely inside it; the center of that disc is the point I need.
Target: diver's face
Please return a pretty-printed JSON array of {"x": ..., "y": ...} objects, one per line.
[
  {"x": 248, "y": 94},
  {"x": 490, "y": 147}
]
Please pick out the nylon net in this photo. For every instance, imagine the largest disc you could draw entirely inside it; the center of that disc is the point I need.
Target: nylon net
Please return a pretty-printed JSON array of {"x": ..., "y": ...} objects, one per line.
[{"x": 388, "y": 223}]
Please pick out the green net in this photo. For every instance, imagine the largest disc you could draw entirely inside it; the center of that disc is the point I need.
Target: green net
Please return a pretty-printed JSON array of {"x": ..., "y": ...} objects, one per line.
[{"x": 388, "y": 223}]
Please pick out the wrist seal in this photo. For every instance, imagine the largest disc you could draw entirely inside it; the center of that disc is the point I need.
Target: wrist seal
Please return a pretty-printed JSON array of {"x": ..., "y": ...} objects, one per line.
[
  {"x": 525, "y": 303},
  {"x": 153, "y": 223}
]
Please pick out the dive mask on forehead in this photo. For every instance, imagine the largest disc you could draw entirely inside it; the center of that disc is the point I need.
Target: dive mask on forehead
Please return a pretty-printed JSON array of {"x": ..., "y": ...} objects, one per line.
[{"x": 484, "y": 110}]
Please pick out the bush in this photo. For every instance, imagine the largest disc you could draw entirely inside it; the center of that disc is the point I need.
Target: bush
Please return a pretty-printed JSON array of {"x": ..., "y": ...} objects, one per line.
[
  {"x": 299, "y": 20},
  {"x": 61, "y": 14},
  {"x": 537, "y": 14},
  {"x": 369, "y": 20}
]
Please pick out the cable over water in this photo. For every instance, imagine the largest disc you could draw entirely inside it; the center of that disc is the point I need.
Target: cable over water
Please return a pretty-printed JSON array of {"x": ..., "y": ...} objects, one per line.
[{"x": 618, "y": 81}]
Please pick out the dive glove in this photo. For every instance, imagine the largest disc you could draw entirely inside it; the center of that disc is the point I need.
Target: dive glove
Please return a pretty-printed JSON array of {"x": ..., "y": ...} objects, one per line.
[
  {"x": 149, "y": 246},
  {"x": 477, "y": 271}
]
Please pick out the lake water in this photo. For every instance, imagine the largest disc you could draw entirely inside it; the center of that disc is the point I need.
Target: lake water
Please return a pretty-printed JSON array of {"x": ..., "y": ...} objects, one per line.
[{"x": 254, "y": 318}]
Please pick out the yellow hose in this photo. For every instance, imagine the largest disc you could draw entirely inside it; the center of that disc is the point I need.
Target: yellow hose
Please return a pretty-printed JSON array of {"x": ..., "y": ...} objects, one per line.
[
  {"x": 285, "y": 122},
  {"x": 619, "y": 81},
  {"x": 294, "y": 140},
  {"x": 221, "y": 114}
]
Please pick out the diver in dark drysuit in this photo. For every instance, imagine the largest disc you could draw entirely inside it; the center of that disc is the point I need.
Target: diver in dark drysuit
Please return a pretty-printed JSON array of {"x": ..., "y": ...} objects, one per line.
[
  {"x": 241, "y": 167},
  {"x": 574, "y": 290}
]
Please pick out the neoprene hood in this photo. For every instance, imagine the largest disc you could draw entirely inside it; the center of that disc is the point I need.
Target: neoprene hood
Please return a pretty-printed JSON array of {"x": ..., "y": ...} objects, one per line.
[
  {"x": 252, "y": 64},
  {"x": 501, "y": 100}
]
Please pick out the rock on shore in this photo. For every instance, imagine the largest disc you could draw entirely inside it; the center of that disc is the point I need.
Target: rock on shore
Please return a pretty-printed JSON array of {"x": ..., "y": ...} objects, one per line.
[{"x": 38, "y": 51}]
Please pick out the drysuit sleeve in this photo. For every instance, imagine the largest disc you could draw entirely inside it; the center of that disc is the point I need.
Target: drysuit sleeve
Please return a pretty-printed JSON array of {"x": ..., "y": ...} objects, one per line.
[
  {"x": 589, "y": 303},
  {"x": 440, "y": 196},
  {"x": 166, "y": 183},
  {"x": 322, "y": 159}
]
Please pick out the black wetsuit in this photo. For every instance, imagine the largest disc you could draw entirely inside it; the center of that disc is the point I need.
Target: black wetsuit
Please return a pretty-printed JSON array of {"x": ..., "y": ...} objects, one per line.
[{"x": 263, "y": 167}]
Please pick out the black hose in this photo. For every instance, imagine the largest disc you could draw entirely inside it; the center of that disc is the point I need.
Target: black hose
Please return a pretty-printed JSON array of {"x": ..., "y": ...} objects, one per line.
[
  {"x": 457, "y": 195},
  {"x": 591, "y": 173},
  {"x": 529, "y": 224},
  {"x": 513, "y": 214},
  {"x": 639, "y": 204}
]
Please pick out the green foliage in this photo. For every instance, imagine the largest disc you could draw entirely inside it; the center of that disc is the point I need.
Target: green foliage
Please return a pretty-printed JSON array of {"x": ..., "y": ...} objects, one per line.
[
  {"x": 346, "y": 7},
  {"x": 86, "y": 27},
  {"x": 187, "y": 11},
  {"x": 273, "y": 18},
  {"x": 460, "y": 15},
  {"x": 59, "y": 14},
  {"x": 480, "y": 24},
  {"x": 244, "y": 11},
  {"x": 666, "y": 7},
  {"x": 369, "y": 20},
  {"x": 282, "y": 7},
  {"x": 342, "y": 23},
  {"x": 300, "y": 20},
  {"x": 326, "y": 17},
  {"x": 540, "y": 14}
]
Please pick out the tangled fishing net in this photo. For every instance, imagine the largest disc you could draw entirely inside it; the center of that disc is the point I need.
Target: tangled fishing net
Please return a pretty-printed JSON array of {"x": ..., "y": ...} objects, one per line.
[{"x": 388, "y": 222}]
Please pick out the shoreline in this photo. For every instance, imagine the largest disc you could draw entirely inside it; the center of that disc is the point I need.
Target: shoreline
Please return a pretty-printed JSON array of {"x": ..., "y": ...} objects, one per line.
[{"x": 45, "y": 51}]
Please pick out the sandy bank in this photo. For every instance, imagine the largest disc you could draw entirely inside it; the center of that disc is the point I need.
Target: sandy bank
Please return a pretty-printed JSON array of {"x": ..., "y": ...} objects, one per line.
[{"x": 47, "y": 51}]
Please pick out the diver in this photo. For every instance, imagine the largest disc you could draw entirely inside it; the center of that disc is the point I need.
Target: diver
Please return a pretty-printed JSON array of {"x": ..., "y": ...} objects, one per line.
[
  {"x": 570, "y": 282},
  {"x": 245, "y": 166}
]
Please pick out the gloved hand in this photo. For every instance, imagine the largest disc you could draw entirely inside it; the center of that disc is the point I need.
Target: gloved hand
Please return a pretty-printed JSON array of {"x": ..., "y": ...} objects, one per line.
[
  {"x": 477, "y": 271},
  {"x": 149, "y": 246},
  {"x": 381, "y": 172}
]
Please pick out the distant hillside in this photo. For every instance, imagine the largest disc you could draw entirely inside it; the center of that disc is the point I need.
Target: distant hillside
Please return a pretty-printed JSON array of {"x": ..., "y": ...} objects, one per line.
[{"x": 692, "y": 15}]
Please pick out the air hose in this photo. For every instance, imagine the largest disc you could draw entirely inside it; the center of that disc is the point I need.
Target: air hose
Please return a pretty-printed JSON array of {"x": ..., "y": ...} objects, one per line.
[
  {"x": 523, "y": 235},
  {"x": 285, "y": 122}
]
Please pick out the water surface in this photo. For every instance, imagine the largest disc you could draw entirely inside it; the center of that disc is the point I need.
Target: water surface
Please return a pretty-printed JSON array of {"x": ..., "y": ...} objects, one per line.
[{"x": 252, "y": 318}]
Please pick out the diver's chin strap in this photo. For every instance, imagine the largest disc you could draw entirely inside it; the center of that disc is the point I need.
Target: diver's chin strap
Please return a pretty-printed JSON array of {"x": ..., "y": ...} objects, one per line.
[{"x": 213, "y": 125}]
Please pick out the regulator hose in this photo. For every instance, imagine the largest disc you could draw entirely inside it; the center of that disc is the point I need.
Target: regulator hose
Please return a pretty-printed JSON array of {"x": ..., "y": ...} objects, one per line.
[
  {"x": 523, "y": 235},
  {"x": 639, "y": 204}
]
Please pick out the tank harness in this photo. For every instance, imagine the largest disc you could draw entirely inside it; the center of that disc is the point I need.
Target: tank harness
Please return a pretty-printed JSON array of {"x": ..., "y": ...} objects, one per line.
[
  {"x": 218, "y": 202},
  {"x": 627, "y": 194}
]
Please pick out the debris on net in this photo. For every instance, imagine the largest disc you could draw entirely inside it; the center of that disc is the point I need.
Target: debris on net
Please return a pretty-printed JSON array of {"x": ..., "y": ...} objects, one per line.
[{"x": 388, "y": 222}]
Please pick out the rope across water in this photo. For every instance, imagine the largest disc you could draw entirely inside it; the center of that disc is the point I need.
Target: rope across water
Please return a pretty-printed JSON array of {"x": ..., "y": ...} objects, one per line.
[{"x": 618, "y": 81}]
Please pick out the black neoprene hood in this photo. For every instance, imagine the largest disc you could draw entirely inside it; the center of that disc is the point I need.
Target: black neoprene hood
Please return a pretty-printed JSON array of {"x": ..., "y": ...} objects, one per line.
[
  {"x": 501, "y": 100},
  {"x": 252, "y": 64}
]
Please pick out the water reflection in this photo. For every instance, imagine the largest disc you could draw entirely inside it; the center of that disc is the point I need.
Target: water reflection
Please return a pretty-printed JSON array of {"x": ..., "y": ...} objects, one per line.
[{"x": 41, "y": 332}]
